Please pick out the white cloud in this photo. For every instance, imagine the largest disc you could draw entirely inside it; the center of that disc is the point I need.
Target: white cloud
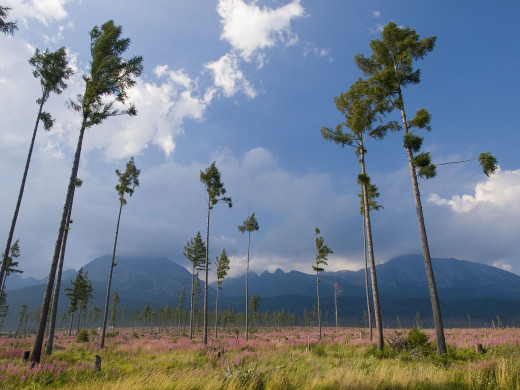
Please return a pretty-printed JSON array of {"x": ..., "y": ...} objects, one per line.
[
  {"x": 312, "y": 49},
  {"x": 499, "y": 191},
  {"x": 501, "y": 264},
  {"x": 45, "y": 11},
  {"x": 376, "y": 14},
  {"x": 228, "y": 76},
  {"x": 248, "y": 28},
  {"x": 163, "y": 106}
]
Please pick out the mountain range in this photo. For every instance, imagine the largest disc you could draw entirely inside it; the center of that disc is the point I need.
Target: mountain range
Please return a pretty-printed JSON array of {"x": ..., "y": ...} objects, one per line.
[{"x": 464, "y": 288}]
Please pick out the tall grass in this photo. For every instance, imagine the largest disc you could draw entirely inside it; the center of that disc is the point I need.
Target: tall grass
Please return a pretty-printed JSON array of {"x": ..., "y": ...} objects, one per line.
[{"x": 286, "y": 359}]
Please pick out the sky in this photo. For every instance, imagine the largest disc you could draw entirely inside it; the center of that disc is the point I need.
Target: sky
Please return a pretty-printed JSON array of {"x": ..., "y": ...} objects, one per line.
[{"x": 249, "y": 85}]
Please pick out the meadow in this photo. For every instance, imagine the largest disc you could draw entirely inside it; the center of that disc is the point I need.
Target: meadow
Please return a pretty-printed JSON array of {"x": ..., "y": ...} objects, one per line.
[{"x": 273, "y": 358}]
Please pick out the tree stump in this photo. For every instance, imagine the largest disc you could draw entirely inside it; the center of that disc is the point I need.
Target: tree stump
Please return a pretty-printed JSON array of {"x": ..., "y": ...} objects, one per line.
[
  {"x": 97, "y": 363},
  {"x": 26, "y": 355},
  {"x": 479, "y": 349}
]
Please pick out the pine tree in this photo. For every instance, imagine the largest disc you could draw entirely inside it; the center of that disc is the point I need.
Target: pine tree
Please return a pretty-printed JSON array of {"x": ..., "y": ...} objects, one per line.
[
  {"x": 222, "y": 264},
  {"x": 249, "y": 225},
  {"x": 195, "y": 252},
  {"x": 7, "y": 27},
  {"x": 79, "y": 295},
  {"x": 52, "y": 69},
  {"x": 106, "y": 89},
  {"x": 128, "y": 180},
  {"x": 113, "y": 313},
  {"x": 322, "y": 251},
  {"x": 215, "y": 190},
  {"x": 361, "y": 111}
]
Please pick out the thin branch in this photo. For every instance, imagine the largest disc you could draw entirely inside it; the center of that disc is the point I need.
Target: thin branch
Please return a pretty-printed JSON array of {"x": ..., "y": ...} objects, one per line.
[{"x": 456, "y": 162}]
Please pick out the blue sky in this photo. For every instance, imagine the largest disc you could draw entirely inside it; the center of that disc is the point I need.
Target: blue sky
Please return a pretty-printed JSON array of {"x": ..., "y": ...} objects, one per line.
[{"x": 249, "y": 85}]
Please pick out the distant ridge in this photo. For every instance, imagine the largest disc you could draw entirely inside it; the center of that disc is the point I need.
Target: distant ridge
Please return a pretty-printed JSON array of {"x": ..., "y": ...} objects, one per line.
[{"x": 464, "y": 287}]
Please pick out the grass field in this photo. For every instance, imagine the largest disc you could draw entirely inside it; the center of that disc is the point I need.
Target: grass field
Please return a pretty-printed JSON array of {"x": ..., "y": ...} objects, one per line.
[{"x": 285, "y": 358}]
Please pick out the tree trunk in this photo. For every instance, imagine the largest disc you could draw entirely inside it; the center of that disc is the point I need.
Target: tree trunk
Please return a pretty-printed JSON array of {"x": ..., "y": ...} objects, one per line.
[
  {"x": 38, "y": 342},
  {"x": 109, "y": 284},
  {"x": 369, "y": 312},
  {"x": 247, "y": 286},
  {"x": 336, "y": 307},
  {"x": 318, "y": 294},
  {"x": 71, "y": 322},
  {"x": 56, "y": 294},
  {"x": 206, "y": 278},
  {"x": 436, "y": 308},
  {"x": 20, "y": 195},
  {"x": 375, "y": 294},
  {"x": 216, "y": 315},
  {"x": 192, "y": 308}
]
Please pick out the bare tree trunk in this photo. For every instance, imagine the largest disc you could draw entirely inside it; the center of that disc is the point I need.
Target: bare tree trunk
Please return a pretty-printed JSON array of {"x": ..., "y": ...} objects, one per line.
[
  {"x": 336, "y": 305},
  {"x": 109, "y": 284},
  {"x": 375, "y": 294},
  {"x": 38, "y": 342},
  {"x": 247, "y": 286},
  {"x": 192, "y": 308},
  {"x": 20, "y": 195},
  {"x": 71, "y": 322},
  {"x": 369, "y": 312},
  {"x": 206, "y": 278},
  {"x": 56, "y": 294},
  {"x": 436, "y": 308},
  {"x": 318, "y": 292},
  {"x": 216, "y": 315}
]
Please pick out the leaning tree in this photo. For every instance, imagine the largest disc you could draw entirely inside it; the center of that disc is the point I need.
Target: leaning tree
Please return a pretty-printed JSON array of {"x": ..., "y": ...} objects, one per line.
[
  {"x": 52, "y": 69},
  {"x": 128, "y": 180},
  {"x": 57, "y": 285},
  {"x": 361, "y": 111},
  {"x": 216, "y": 192},
  {"x": 390, "y": 69},
  {"x": 105, "y": 95},
  {"x": 249, "y": 225}
]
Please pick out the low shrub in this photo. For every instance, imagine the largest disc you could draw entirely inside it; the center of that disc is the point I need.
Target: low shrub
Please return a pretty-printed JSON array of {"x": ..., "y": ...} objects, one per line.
[{"x": 82, "y": 336}]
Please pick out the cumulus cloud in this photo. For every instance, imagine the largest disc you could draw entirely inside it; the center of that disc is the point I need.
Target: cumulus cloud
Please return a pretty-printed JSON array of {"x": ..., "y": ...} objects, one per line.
[
  {"x": 163, "y": 106},
  {"x": 228, "y": 76},
  {"x": 482, "y": 225},
  {"x": 499, "y": 191},
  {"x": 249, "y": 28},
  {"x": 45, "y": 11},
  {"x": 376, "y": 14}
]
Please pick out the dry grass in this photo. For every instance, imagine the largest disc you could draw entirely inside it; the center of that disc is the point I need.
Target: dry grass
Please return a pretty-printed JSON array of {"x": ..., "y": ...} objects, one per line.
[{"x": 273, "y": 360}]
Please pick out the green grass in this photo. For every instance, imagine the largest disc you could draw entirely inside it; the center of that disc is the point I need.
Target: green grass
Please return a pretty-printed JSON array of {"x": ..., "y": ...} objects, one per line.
[{"x": 270, "y": 360}]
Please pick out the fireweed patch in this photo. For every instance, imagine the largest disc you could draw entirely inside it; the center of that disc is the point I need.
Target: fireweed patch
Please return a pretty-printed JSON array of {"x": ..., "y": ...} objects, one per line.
[{"x": 281, "y": 358}]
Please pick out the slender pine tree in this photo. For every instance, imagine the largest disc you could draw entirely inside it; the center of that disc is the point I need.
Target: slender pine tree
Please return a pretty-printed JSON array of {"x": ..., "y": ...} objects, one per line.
[
  {"x": 215, "y": 190},
  {"x": 106, "y": 92},
  {"x": 322, "y": 251},
  {"x": 249, "y": 225},
  {"x": 222, "y": 264},
  {"x": 52, "y": 69},
  {"x": 128, "y": 181}
]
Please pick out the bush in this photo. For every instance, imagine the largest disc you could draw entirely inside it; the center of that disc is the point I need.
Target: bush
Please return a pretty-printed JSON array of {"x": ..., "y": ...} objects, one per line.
[
  {"x": 415, "y": 343},
  {"x": 417, "y": 339},
  {"x": 82, "y": 336}
]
